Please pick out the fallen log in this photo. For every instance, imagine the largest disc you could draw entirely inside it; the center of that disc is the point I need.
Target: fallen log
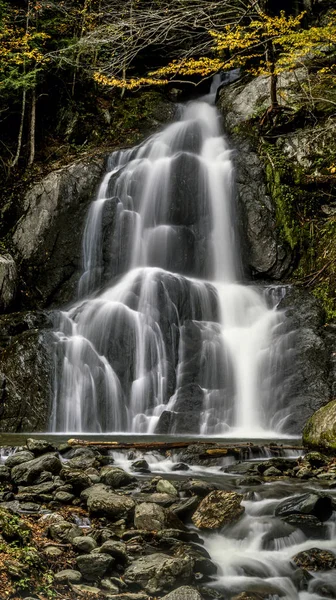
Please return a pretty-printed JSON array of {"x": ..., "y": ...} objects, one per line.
[{"x": 215, "y": 449}]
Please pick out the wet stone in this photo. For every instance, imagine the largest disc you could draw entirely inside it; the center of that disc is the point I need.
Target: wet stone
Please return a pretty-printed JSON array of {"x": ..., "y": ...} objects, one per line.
[
  {"x": 218, "y": 509},
  {"x": 315, "y": 559},
  {"x": 68, "y": 576},
  {"x": 84, "y": 544},
  {"x": 94, "y": 566},
  {"x": 140, "y": 466}
]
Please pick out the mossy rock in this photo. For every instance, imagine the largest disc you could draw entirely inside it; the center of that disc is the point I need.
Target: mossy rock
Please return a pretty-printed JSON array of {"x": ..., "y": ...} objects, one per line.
[
  {"x": 320, "y": 429},
  {"x": 13, "y": 529}
]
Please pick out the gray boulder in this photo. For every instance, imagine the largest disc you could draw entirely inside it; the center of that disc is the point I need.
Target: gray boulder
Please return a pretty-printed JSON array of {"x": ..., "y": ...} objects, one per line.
[
  {"x": 67, "y": 576},
  {"x": 318, "y": 505},
  {"x": 84, "y": 543},
  {"x": 149, "y": 516},
  {"x": 18, "y": 458},
  {"x": 116, "y": 549},
  {"x": 115, "y": 477},
  {"x": 94, "y": 566},
  {"x": 185, "y": 592},
  {"x": 27, "y": 472},
  {"x": 102, "y": 501},
  {"x": 158, "y": 572},
  {"x": 38, "y": 447}
]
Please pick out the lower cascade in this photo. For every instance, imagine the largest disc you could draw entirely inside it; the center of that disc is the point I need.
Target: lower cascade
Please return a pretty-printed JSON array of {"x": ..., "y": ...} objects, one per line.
[{"x": 164, "y": 337}]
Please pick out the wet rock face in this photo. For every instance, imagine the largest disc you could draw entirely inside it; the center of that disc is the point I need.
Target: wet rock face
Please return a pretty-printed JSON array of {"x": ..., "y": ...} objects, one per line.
[
  {"x": 26, "y": 380},
  {"x": 309, "y": 387},
  {"x": 8, "y": 280},
  {"x": 218, "y": 509},
  {"x": 264, "y": 252},
  {"x": 48, "y": 237}
]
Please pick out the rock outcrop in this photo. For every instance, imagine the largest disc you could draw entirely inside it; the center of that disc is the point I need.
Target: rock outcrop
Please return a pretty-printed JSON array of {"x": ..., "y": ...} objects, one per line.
[
  {"x": 8, "y": 280},
  {"x": 48, "y": 237}
]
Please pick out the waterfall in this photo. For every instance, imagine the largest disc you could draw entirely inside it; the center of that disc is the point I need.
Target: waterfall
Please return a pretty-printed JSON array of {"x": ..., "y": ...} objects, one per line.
[{"x": 164, "y": 337}]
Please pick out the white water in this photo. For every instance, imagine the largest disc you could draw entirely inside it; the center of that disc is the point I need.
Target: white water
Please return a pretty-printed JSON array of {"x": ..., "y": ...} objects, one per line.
[
  {"x": 132, "y": 348},
  {"x": 256, "y": 554}
]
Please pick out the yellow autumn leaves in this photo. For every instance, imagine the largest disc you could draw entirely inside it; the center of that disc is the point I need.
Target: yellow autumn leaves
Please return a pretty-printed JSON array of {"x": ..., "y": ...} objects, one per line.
[{"x": 245, "y": 45}]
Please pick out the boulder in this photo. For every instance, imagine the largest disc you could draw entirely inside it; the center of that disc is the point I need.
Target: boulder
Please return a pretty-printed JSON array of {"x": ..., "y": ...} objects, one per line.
[
  {"x": 27, "y": 472},
  {"x": 318, "y": 505},
  {"x": 315, "y": 559},
  {"x": 101, "y": 501},
  {"x": 165, "y": 487},
  {"x": 67, "y": 576},
  {"x": 8, "y": 280},
  {"x": 115, "y": 477},
  {"x": 320, "y": 430},
  {"x": 158, "y": 572},
  {"x": 48, "y": 237},
  {"x": 150, "y": 516},
  {"x": 185, "y": 592},
  {"x": 64, "y": 497},
  {"x": 140, "y": 466},
  {"x": 84, "y": 543},
  {"x": 94, "y": 566},
  {"x": 18, "y": 458},
  {"x": 218, "y": 509},
  {"x": 76, "y": 478},
  {"x": 118, "y": 550},
  {"x": 38, "y": 447}
]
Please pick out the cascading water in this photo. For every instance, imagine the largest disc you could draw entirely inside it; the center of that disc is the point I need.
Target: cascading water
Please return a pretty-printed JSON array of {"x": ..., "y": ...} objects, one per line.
[{"x": 164, "y": 339}]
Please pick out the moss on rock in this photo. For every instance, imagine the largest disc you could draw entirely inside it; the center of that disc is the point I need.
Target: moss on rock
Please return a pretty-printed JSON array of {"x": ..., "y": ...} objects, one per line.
[{"x": 320, "y": 429}]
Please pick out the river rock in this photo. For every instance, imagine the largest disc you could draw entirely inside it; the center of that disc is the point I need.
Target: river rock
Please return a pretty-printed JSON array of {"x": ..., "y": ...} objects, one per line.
[
  {"x": 185, "y": 592},
  {"x": 115, "y": 477},
  {"x": 64, "y": 532},
  {"x": 118, "y": 550},
  {"x": 158, "y": 572},
  {"x": 94, "y": 566},
  {"x": 84, "y": 543},
  {"x": 77, "y": 478},
  {"x": 102, "y": 501},
  {"x": 318, "y": 505},
  {"x": 320, "y": 430},
  {"x": 315, "y": 559},
  {"x": 165, "y": 487},
  {"x": 26, "y": 472},
  {"x": 67, "y": 576},
  {"x": 38, "y": 447},
  {"x": 150, "y": 516},
  {"x": 64, "y": 497},
  {"x": 18, "y": 458},
  {"x": 140, "y": 466},
  {"x": 217, "y": 509}
]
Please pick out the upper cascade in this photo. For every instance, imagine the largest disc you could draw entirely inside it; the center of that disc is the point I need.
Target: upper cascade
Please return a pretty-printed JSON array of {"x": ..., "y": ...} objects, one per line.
[{"x": 164, "y": 338}]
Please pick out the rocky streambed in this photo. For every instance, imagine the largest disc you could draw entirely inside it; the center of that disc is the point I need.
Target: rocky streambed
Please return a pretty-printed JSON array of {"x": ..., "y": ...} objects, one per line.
[{"x": 85, "y": 522}]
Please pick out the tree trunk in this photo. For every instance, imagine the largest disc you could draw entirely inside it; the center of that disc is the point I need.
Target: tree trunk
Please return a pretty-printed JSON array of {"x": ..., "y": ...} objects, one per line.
[
  {"x": 19, "y": 143},
  {"x": 274, "y": 91},
  {"x": 32, "y": 128}
]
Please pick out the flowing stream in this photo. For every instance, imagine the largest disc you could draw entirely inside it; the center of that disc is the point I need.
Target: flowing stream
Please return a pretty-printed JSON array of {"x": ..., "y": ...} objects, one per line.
[{"x": 165, "y": 338}]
